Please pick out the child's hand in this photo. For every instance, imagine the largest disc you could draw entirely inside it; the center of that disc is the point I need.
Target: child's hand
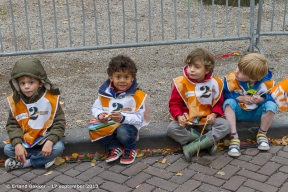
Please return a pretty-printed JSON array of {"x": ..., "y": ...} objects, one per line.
[
  {"x": 103, "y": 118},
  {"x": 211, "y": 118},
  {"x": 256, "y": 99},
  {"x": 47, "y": 148},
  {"x": 181, "y": 120},
  {"x": 20, "y": 153},
  {"x": 116, "y": 117},
  {"x": 246, "y": 99}
]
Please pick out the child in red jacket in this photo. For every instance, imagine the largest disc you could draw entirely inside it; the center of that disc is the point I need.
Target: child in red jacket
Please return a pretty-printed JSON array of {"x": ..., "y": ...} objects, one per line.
[{"x": 196, "y": 100}]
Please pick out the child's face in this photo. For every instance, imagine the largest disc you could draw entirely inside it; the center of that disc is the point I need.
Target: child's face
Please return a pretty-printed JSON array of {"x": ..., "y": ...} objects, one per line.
[
  {"x": 29, "y": 85},
  {"x": 197, "y": 71},
  {"x": 242, "y": 77},
  {"x": 122, "y": 80}
]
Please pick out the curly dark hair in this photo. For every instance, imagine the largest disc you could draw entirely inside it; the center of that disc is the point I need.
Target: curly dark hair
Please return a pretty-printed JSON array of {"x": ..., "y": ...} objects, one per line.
[{"x": 122, "y": 62}]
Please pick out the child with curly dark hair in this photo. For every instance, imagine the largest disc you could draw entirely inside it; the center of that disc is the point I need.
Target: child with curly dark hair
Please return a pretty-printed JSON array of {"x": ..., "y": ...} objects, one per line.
[{"x": 122, "y": 109}]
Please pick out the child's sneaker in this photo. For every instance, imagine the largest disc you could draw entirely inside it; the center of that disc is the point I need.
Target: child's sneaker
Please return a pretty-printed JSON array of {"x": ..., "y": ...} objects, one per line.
[
  {"x": 114, "y": 154},
  {"x": 11, "y": 164},
  {"x": 234, "y": 148},
  {"x": 49, "y": 164},
  {"x": 128, "y": 157},
  {"x": 262, "y": 141}
]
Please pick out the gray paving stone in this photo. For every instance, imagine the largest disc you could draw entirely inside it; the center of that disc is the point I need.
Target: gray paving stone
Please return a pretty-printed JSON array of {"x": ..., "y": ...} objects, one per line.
[
  {"x": 161, "y": 183},
  {"x": 6, "y": 177},
  {"x": 135, "y": 169},
  {"x": 203, "y": 169},
  {"x": 261, "y": 158},
  {"x": 42, "y": 179},
  {"x": 159, "y": 190},
  {"x": 251, "y": 151},
  {"x": 269, "y": 168},
  {"x": 186, "y": 174},
  {"x": 277, "y": 179},
  {"x": 245, "y": 189},
  {"x": 179, "y": 165},
  {"x": 220, "y": 162},
  {"x": 144, "y": 187},
  {"x": 283, "y": 154},
  {"x": 39, "y": 171},
  {"x": 252, "y": 175},
  {"x": 285, "y": 148},
  {"x": 90, "y": 173},
  {"x": 28, "y": 176},
  {"x": 284, "y": 169},
  {"x": 280, "y": 160},
  {"x": 96, "y": 180},
  {"x": 188, "y": 186},
  {"x": 207, "y": 187},
  {"x": 4, "y": 187},
  {"x": 65, "y": 167},
  {"x": 160, "y": 165},
  {"x": 72, "y": 172},
  {"x": 234, "y": 183},
  {"x": 19, "y": 172},
  {"x": 259, "y": 186},
  {"x": 83, "y": 166},
  {"x": 66, "y": 180},
  {"x": 245, "y": 165},
  {"x": 229, "y": 171},
  {"x": 110, "y": 176},
  {"x": 111, "y": 186},
  {"x": 117, "y": 168},
  {"x": 159, "y": 172},
  {"x": 137, "y": 179},
  {"x": 208, "y": 179},
  {"x": 174, "y": 157},
  {"x": 152, "y": 160},
  {"x": 274, "y": 149},
  {"x": 214, "y": 156},
  {"x": 245, "y": 157},
  {"x": 284, "y": 187},
  {"x": 20, "y": 184}
]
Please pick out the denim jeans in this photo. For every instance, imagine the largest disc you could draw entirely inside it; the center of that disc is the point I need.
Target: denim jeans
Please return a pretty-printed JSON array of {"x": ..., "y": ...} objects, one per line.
[
  {"x": 34, "y": 154},
  {"x": 124, "y": 135}
]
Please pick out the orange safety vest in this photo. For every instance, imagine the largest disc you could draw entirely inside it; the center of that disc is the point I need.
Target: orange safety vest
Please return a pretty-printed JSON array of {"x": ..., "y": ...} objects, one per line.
[
  {"x": 234, "y": 86},
  {"x": 280, "y": 94},
  {"x": 199, "y": 97},
  {"x": 129, "y": 104},
  {"x": 34, "y": 118}
]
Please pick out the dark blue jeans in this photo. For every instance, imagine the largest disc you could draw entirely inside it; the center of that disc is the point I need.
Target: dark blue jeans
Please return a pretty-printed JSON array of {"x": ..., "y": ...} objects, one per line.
[{"x": 124, "y": 135}]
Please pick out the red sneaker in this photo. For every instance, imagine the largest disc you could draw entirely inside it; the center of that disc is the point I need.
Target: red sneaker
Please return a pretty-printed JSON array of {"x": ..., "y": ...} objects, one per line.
[
  {"x": 128, "y": 157},
  {"x": 114, "y": 154}
]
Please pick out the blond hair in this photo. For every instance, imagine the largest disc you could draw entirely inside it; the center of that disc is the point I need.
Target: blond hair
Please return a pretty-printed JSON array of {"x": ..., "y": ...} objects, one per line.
[
  {"x": 200, "y": 54},
  {"x": 254, "y": 65}
]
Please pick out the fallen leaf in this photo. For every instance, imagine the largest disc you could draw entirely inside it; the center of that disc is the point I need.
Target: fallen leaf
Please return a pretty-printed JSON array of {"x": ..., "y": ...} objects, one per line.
[
  {"x": 179, "y": 174},
  {"x": 284, "y": 141},
  {"x": 78, "y": 121},
  {"x": 59, "y": 161},
  {"x": 92, "y": 164},
  {"x": 164, "y": 160},
  {"x": 138, "y": 186},
  {"x": 221, "y": 173},
  {"x": 86, "y": 157},
  {"x": 97, "y": 156},
  {"x": 162, "y": 82},
  {"x": 171, "y": 52},
  {"x": 48, "y": 173},
  {"x": 53, "y": 67},
  {"x": 75, "y": 155},
  {"x": 67, "y": 158},
  {"x": 243, "y": 26}
]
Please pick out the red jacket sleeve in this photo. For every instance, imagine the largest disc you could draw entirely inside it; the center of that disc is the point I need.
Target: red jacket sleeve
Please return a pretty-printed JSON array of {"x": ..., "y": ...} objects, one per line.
[
  {"x": 176, "y": 104},
  {"x": 218, "y": 106}
]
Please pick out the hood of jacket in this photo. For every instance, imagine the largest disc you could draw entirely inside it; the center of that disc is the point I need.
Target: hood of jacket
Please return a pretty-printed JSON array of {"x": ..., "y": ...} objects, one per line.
[{"x": 31, "y": 67}]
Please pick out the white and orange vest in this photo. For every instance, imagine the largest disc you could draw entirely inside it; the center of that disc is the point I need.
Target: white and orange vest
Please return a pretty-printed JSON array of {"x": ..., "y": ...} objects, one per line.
[
  {"x": 280, "y": 94},
  {"x": 199, "y": 97},
  {"x": 128, "y": 104},
  {"x": 234, "y": 86},
  {"x": 34, "y": 118}
]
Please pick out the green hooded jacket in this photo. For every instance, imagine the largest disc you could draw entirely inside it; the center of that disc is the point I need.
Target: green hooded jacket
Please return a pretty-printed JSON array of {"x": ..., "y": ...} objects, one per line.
[{"x": 32, "y": 67}]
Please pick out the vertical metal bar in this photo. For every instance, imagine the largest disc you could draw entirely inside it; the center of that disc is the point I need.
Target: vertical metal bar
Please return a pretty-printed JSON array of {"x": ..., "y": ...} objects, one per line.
[
  {"x": 13, "y": 26},
  {"x": 201, "y": 18},
  {"x": 284, "y": 21},
  {"x": 259, "y": 21},
  {"x": 124, "y": 23},
  {"x": 175, "y": 20},
  {"x": 83, "y": 17},
  {"x": 136, "y": 20},
  {"x": 150, "y": 22},
  {"x": 27, "y": 26},
  {"x": 55, "y": 25},
  {"x": 96, "y": 25},
  {"x": 162, "y": 21},
  {"x": 1, "y": 43},
  {"x": 227, "y": 19},
  {"x": 252, "y": 4},
  {"x": 189, "y": 22},
  {"x": 41, "y": 24},
  {"x": 213, "y": 22},
  {"x": 272, "y": 16},
  {"x": 109, "y": 21},
  {"x": 239, "y": 17},
  {"x": 69, "y": 25}
]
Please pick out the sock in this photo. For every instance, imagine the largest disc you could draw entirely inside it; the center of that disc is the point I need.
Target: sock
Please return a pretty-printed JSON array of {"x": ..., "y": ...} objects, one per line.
[
  {"x": 234, "y": 136},
  {"x": 261, "y": 131},
  {"x": 27, "y": 164}
]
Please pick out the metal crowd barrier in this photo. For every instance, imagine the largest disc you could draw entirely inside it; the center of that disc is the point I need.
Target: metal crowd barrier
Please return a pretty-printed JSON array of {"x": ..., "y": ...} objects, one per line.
[{"x": 50, "y": 26}]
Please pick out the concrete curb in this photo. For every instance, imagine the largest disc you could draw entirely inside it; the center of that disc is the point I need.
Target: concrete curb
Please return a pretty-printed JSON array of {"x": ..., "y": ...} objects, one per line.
[{"x": 77, "y": 140}]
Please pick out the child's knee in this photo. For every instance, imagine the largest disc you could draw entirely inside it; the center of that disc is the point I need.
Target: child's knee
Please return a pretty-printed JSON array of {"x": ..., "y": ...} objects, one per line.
[{"x": 229, "y": 104}]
